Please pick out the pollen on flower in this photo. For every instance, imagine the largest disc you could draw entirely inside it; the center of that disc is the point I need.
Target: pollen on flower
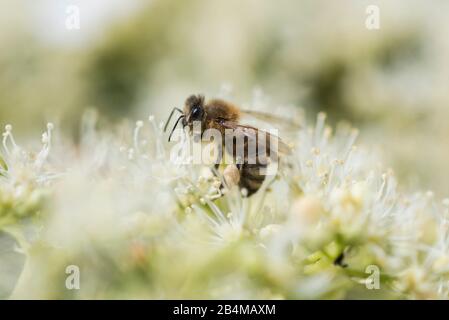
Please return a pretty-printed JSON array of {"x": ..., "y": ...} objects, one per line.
[{"x": 307, "y": 210}]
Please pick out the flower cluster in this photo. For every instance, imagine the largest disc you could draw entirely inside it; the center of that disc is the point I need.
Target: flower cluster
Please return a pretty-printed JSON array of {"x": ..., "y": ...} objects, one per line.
[
  {"x": 24, "y": 178},
  {"x": 137, "y": 224}
]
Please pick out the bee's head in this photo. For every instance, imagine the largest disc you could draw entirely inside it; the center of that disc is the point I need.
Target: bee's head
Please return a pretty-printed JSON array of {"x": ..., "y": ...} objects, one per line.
[{"x": 193, "y": 110}]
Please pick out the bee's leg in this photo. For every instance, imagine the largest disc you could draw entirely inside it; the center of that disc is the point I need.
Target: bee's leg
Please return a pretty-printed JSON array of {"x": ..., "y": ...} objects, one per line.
[
  {"x": 218, "y": 161},
  {"x": 216, "y": 166}
]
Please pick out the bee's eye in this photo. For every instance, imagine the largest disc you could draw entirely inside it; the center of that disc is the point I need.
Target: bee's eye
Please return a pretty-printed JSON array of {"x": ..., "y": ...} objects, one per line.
[{"x": 196, "y": 113}]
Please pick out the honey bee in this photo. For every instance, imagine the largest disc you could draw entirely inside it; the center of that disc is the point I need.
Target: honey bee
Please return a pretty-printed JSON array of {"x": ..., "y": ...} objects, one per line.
[{"x": 225, "y": 117}]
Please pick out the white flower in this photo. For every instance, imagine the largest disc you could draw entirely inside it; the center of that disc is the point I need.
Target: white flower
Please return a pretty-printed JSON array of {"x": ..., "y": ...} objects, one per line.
[{"x": 125, "y": 203}]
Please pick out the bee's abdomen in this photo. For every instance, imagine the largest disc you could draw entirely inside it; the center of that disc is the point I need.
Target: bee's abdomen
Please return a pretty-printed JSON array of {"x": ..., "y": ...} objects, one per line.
[{"x": 252, "y": 177}]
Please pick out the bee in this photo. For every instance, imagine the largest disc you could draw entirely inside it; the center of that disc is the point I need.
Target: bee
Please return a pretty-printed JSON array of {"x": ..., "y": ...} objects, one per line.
[{"x": 225, "y": 117}]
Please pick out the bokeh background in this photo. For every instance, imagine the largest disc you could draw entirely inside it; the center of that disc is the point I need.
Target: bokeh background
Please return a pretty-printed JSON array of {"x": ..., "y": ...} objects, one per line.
[{"x": 133, "y": 58}]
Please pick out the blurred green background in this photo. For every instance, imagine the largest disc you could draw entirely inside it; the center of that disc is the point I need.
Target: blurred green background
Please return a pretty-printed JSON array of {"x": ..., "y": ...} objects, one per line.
[{"x": 132, "y": 58}]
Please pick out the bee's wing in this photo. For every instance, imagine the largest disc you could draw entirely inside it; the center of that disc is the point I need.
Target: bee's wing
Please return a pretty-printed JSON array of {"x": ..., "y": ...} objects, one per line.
[
  {"x": 251, "y": 134},
  {"x": 274, "y": 119}
]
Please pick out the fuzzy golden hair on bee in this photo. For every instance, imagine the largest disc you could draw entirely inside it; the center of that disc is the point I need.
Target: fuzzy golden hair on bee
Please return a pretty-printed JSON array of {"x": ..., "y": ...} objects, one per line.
[
  {"x": 214, "y": 109},
  {"x": 220, "y": 109}
]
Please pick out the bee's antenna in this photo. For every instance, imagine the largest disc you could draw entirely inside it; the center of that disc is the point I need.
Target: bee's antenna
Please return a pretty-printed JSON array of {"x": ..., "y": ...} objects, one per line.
[
  {"x": 169, "y": 117},
  {"x": 174, "y": 127}
]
